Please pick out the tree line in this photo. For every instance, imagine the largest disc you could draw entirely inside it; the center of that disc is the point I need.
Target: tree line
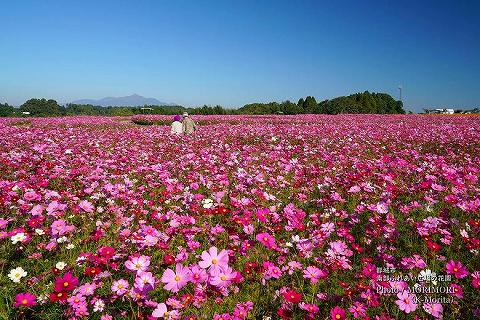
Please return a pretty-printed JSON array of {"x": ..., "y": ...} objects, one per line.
[{"x": 365, "y": 102}]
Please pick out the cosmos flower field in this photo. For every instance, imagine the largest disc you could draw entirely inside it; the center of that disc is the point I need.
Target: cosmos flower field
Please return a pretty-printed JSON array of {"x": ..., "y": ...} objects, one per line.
[{"x": 255, "y": 217}]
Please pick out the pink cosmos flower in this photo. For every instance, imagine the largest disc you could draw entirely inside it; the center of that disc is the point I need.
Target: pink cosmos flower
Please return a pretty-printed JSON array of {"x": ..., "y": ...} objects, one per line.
[
  {"x": 81, "y": 310},
  {"x": 222, "y": 277},
  {"x": 137, "y": 264},
  {"x": 120, "y": 287},
  {"x": 314, "y": 274},
  {"x": 198, "y": 275},
  {"x": 382, "y": 207},
  {"x": 176, "y": 280},
  {"x": 51, "y": 246},
  {"x": 358, "y": 310},
  {"x": 32, "y": 196},
  {"x": 25, "y": 299},
  {"x": 3, "y": 223},
  {"x": 406, "y": 301},
  {"x": 292, "y": 266},
  {"x": 86, "y": 206},
  {"x": 144, "y": 280},
  {"x": 214, "y": 260},
  {"x": 457, "y": 269},
  {"x": 160, "y": 311},
  {"x": 267, "y": 240},
  {"x": 271, "y": 271},
  {"x": 338, "y": 248},
  {"x": 174, "y": 303},
  {"x": 354, "y": 189},
  {"x": 76, "y": 301},
  {"x": 435, "y": 309},
  {"x": 87, "y": 289},
  {"x": 59, "y": 227}
]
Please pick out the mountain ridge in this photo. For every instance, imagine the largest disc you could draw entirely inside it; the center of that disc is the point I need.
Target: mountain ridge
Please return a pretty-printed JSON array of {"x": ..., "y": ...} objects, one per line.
[{"x": 133, "y": 100}]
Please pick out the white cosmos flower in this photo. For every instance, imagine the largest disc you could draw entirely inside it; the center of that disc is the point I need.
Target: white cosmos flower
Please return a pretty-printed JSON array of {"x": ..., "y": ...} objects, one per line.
[
  {"x": 62, "y": 239},
  {"x": 40, "y": 232},
  {"x": 427, "y": 275},
  {"x": 207, "y": 203},
  {"x": 16, "y": 274},
  {"x": 99, "y": 305},
  {"x": 70, "y": 246},
  {"x": 19, "y": 237},
  {"x": 60, "y": 265},
  {"x": 43, "y": 298},
  {"x": 464, "y": 233}
]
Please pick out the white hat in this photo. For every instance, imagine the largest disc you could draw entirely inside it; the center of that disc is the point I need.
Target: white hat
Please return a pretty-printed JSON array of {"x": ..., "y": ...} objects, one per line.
[{"x": 185, "y": 114}]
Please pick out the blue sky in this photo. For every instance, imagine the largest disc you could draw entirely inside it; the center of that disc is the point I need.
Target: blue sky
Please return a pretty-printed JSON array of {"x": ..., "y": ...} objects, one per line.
[{"x": 236, "y": 52}]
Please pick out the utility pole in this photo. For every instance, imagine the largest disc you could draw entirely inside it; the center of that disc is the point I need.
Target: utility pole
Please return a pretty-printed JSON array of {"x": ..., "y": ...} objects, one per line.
[{"x": 400, "y": 89}]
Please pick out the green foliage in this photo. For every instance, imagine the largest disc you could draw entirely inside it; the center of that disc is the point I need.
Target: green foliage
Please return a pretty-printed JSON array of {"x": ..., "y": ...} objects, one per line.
[
  {"x": 142, "y": 122},
  {"x": 309, "y": 105},
  {"x": 6, "y": 110},
  {"x": 365, "y": 102},
  {"x": 41, "y": 107}
]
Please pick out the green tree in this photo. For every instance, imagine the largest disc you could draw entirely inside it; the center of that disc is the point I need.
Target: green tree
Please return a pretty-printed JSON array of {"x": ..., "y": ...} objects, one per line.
[
  {"x": 41, "y": 107},
  {"x": 309, "y": 105},
  {"x": 6, "y": 110},
  {"x": 300, "y": 103}
]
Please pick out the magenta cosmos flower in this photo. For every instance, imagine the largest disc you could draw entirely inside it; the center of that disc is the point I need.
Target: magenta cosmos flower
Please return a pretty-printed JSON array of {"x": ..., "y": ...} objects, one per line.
[
  {"x": 310, "y": 307},
  {"x": 25, "y": 299},
  {"x": 176, "y": 280},
  {"x": 457, "y": 269},
  {"x": 214, "y": 260},
  {"x": 266, "y": 239},
  {"x": 337, "y": 313},
  {"x": 66, "y": 283}
]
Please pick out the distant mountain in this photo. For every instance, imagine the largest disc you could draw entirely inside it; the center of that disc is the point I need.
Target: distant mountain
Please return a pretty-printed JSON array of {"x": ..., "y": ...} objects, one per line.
[{"x": 131, "y": 101}]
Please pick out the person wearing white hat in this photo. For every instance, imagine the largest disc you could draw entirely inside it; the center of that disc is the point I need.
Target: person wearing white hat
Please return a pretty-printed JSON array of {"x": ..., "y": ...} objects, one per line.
[{"x": 187, "y": 124}]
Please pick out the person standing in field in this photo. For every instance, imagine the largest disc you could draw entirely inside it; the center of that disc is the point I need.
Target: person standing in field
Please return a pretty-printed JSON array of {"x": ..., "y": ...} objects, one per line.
[
  {"x": 188, "y": 124},
  {"x": 177, "y": 127}
]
